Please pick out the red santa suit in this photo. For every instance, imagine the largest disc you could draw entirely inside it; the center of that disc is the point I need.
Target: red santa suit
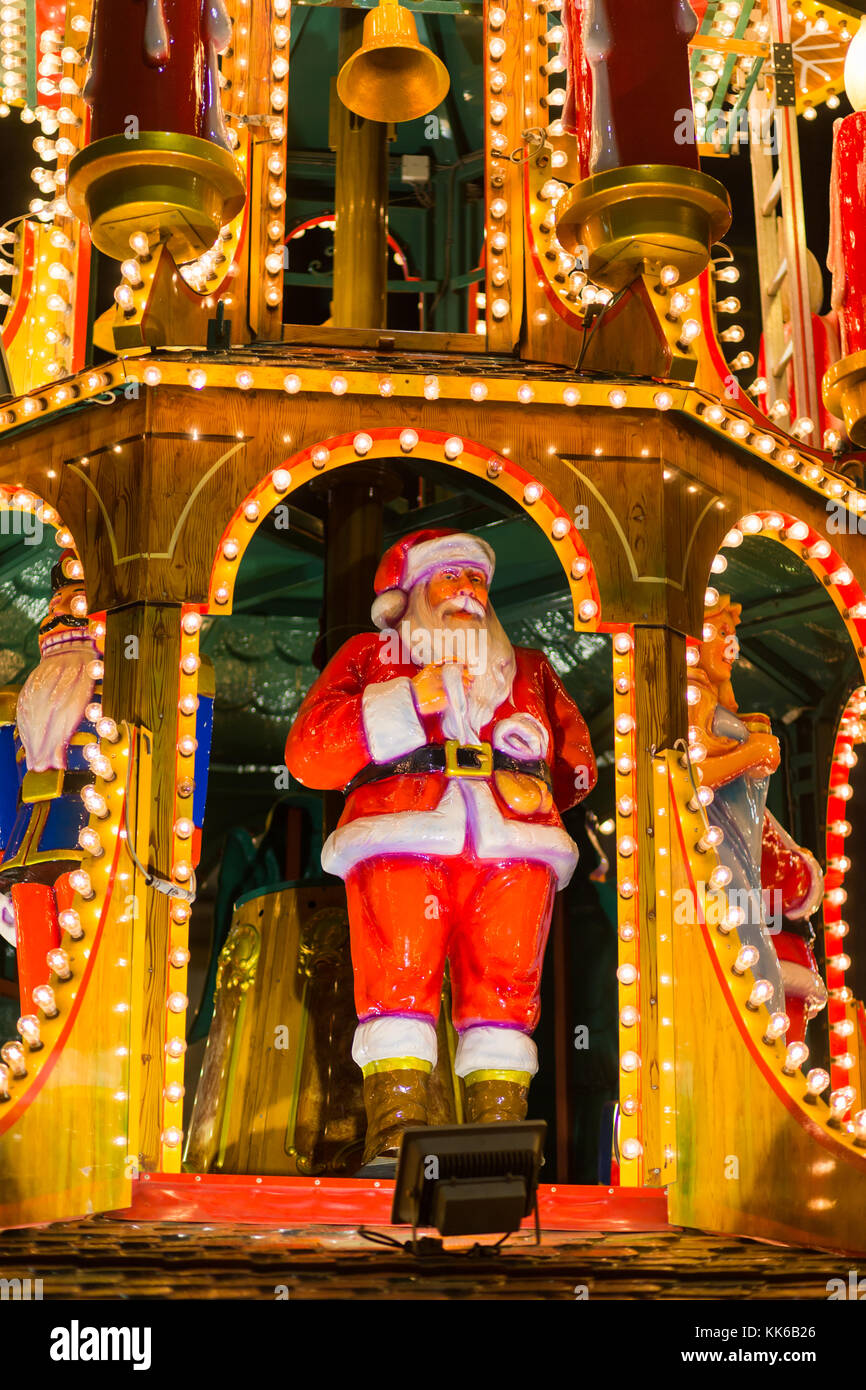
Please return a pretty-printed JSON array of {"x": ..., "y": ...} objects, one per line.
[{"x": 437, "y": 864}]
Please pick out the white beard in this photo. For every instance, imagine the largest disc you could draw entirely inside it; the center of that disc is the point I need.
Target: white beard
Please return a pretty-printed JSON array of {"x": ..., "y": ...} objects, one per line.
[
  {"x": 470, "y": 711},
  {"x": 52, "y": 703}
]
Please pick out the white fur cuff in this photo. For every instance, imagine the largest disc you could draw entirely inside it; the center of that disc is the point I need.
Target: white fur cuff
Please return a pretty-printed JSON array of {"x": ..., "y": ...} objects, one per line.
[
  {"x": 380, "y": 1039},
  {"x": 391, "y": 724},
  {"x": 484, "y": 1048}
]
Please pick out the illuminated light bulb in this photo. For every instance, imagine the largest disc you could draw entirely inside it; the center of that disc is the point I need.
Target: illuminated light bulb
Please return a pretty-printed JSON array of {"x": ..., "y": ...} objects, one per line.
[
  {"x": 842, "y": 577},
  {"x": 817, "y": 1080},
  {"x": 579, "y": 567},
  {"x": 626, "y": 974},
  {"x": 532, "y": 492},
  {"x": 624, "y": 723},
  {"x": 281, "y": 479},
  {"x": 95, "y": 802},
  {"x": 624, "y": 766},
  {"x": 819, "y": 551},
  {"x": 292, "y": 383},
  {"x": 796, "y": 1055},
  {"x": 777, "y": 1025},
  {"x": 733, "y": 918},
  {"x": 625, "y": 806},
  {"x": 525, "y": 394},
  {"x": 173, "y": 1092},
  {"x": 191, "y": 623},
  {"x": 320, "y": 456},
  {"x": 186, "y": 746},
  {"x": 273, "y": 262},
  {"x": 171, "y": 1137},
  {"x": 43, "y": 998},
  {"x": 183, "y": 828},
  {"x": 58, "y": 961},
  {"x": 431, "y": 388},
  {"x": 339, "y": 385},
  {"x": 221, "y": 595},
  {"x": 739, "y": 429},
  {"x": 762, "y": 993},
  {"x": 244, "y": 380},
  {"x": 571, "y": 395},
  {"x": 190, "y": 664},
  {"x": 841, "y": 929},
  {"x": 408, "y": 440},
  {"x": 28, "y": 1028},
  {"x": 175, "y": 1047},
  {"x": 839, "y": 1101},
  {"x": 719, "y": 564},
  {"x": 693, "y": 694},
  {"x": 833, "y": 102},
  {"x": 90, "y": 841},
  {"x": 627, "y": 932},
  {"x": 179, "y": 957},
  {"x": 692, "y": 656},
  {"x": 197, "y": 378},
  {"x": 177, "y": 1002},
  {"x": 631, "y": 1148},
  {"x": 626, "y": 846},
  {"x": 587, "y": 610},
  {"x": 841, "y": 828},
  {"x": 453, "y": 447},
  {"x": 712, "y": 837},
  {"x": 840, "y": 962},
  {"x": 498, "y": 111},
  {"x": 251, "y": 511},
  {"x": 747, "y": 957},
  {"x": 107, "y": 729},
  {"x": 273, "y": 296},
  {"x": 560, "y": 528},
  {"x": 617, "y": 398},
  {"x": 231, "y": 549},
  {"x": 70, "y": 922},
  {"x": 499, "y": 308},
  {"x": 496, "y": 18},
  {"x": 704, "y": 796},
  {"x": 362, "y": 443},
  {"x": 386, "y": 386},
  {"x": 125, "y": 298},
  {"x": 152, "y": 376},
  {"x": 663, "y": 400},
  {"x": 691, "y": 330},
  {"x": 721, "y": 876},
  {"x": 629, "y": 1061},
  {"x": 859, "y": 1119},
  {"x": 13, "y": 1055}
]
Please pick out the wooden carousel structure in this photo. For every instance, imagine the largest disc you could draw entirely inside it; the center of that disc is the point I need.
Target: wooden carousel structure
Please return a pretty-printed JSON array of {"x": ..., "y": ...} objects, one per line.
[{"x": 594, "y": 397}]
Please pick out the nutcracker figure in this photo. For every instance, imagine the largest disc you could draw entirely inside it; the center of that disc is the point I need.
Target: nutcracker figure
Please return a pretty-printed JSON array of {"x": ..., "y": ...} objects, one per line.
[
  {"x": 457, "y": 752},
  {"x": 43, "y": 771},
  {"x": 775, "y": 883}
]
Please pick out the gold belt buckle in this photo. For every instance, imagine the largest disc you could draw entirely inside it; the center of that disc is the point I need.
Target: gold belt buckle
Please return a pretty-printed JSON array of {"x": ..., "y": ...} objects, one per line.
[{"x": 453, "y": 768}]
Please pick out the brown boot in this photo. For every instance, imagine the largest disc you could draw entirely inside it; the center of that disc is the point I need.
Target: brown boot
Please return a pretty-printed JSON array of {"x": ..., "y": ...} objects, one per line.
[
  {"x": 394, "y": 1101},
  {"x": 496, "y": 1096}
]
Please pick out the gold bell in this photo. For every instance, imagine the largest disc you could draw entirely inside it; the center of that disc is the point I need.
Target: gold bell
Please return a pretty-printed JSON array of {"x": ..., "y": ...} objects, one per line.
[{"x": 392, "y": 76}]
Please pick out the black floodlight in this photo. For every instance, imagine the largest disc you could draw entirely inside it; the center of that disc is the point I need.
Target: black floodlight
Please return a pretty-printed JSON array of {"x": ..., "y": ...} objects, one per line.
[{"x": 469, "y": 1180}]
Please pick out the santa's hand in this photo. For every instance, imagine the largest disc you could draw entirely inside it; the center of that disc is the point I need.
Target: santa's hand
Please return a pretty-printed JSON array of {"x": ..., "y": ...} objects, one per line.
[{"x": 431, "y": 696}]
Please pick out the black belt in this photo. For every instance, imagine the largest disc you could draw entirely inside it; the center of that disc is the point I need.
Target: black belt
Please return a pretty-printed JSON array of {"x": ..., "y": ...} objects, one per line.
[{"x": 455, "y": 760}]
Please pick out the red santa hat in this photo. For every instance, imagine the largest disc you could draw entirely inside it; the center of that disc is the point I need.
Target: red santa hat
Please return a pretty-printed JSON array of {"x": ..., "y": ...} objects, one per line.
[{"x": 414, "y": 558}]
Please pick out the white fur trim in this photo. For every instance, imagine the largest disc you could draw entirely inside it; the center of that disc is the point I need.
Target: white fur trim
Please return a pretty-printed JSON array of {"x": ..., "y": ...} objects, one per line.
[
  {"x": 441, "y": 832},
  {"x": 484, "y": 1048},
  {"x": 802, "y": 983},
  {"x": 462, "y": 549},
  {"x": 391, "y": 724},
  {"x": 389, "y": 607},
  {"x": 494, "y": 837},
  {"x": 521, "y": 736},
  {"x": 379, "y": 1039}
]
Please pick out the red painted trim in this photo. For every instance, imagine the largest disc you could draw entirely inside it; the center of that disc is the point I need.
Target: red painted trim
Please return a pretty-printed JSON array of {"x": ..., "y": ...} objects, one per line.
[
  {"x": 14, "y": 1109},
  {"x": 352, "y": 1201},
  {"x": 425, "y": 436},
  {"x": 838, "y": 1150}
]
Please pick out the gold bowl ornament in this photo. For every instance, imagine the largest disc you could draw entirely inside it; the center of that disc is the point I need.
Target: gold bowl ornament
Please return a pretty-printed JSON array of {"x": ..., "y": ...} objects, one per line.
[{"x": 633, "y": 220}]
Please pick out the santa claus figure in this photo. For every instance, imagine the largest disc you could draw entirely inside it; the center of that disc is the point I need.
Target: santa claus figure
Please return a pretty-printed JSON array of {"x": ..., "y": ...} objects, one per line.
[{"x": 457, "y": 752}]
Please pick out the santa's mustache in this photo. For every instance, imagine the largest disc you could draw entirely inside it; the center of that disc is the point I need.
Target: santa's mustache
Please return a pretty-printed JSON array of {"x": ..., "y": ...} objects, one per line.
[{"x": 464, "y": 603}]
